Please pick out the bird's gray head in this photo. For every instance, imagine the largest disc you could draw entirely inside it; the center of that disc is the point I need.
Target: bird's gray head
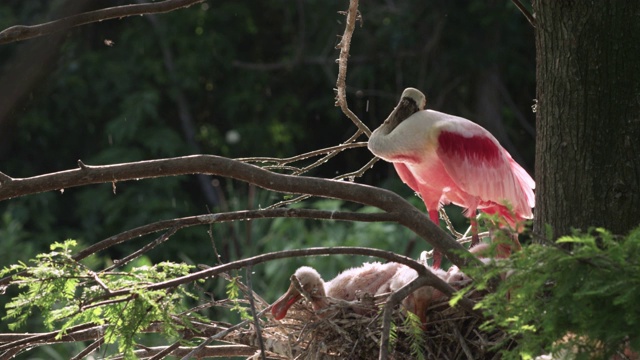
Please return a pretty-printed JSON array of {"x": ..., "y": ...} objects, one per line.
[
  {"x": 310, "y": 281},
  {"x": 411, "y": 101}
]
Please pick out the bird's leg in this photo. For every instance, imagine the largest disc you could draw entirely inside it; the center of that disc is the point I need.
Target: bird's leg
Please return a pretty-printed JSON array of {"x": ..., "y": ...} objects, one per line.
[
  {"x": 475, "y": 239},
  {"x": 437, "y": 259},
  {"x": 434, "y": 215}
]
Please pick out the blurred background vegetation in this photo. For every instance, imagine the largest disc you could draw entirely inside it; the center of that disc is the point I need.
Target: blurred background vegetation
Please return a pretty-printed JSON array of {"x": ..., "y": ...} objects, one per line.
[{"x": 237, "y": 79}]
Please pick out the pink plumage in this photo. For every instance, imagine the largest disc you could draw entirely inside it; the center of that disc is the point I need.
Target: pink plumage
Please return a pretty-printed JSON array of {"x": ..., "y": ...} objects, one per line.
[
  {"x": 370, "y": 278},
  {"x": 449, "y": 159}
]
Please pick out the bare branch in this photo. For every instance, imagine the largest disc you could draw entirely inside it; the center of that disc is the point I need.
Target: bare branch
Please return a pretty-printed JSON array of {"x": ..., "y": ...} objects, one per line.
[
  {"x": 23, "y": 32},
  {"x": 97, "y": 279},
  {"x": 165, "y": 351},
  {"x": 254, "y": 314},
  {"x": 284, "y": 161},
  {"x": 4, "y": 178},
  {"x": 206, "y": 352},
  {"x": 230, "y": 216},
  {"x": 220, "y": 217},
  {"x": 327, "y": 157},
  {"x": 94, "y": 345},
  {"x": 530, "y": 18},
  {"x": 341, "y": 83},
  {"x": 350, "y": 176},
  {"x": 239, "y": 264},
  {"x": 89, "y": 331},
  {"x": 7, "y": 340},
  {"x": 388, "y": 201},
  {"x": 164, "y": 237},
  {"x": 219, "y": 335}
]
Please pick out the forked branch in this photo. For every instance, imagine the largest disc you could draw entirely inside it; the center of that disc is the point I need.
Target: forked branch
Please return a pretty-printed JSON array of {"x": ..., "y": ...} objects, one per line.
[
  {"x": 390, "y": 202},
  {"x": 23, "y": 32}
]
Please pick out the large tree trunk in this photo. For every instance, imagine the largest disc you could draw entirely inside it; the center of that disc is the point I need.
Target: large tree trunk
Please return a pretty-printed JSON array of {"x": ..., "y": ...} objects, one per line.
[{"x": 588, "y": 117}]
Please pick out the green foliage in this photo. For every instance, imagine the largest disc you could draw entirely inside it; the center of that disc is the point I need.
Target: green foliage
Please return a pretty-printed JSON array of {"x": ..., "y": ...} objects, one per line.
[
  {"x": 233, "y": 293},
  {"x": 587, "y": 296},
  {"x": 393, "y": 335},
  {"x": 66, "y": 293},
  {"x": 413, "y": 329}
]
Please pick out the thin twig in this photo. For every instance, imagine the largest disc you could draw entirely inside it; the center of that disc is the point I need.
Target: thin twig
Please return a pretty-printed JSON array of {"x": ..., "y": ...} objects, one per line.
[
  {"x": 23, "y": 32},
  {"x": 341, "y": 83},
  {"x": 256, "y": 320},
  {"x": 284, "y": 161},
  {"x": 166, "y": 351},
  {"x": 447, "y": 221},
  {"x": 213, "y": 244},
  {"x": 463, "y": 343},
  {"x": 97, "y": 279},
  {"x": 530, "y": 18},
  {"x": 217, "y": 351},
  {"x": 229, "y": 216},
  {"x": 11, "y": 353},
  {"x": 41, "y": 337},
  {"x": 164, "y": 237},
  {"x": 219, "y": 335},
  {"x": 94, "y": 345},
  {"x": 350, "y": 176},
  {"x": 327, "y": 157}
]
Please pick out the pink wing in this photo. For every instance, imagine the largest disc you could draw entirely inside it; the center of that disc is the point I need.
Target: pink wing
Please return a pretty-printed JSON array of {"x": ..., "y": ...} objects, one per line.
[
  {"x": 433, "y": 199},
  {"x": 406, "y": 176},
  {"x": 482, "y": 168}
]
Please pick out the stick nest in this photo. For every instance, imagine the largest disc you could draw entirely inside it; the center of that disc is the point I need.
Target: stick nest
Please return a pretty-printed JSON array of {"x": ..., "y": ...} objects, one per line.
[{"x": 338, "y": 333}]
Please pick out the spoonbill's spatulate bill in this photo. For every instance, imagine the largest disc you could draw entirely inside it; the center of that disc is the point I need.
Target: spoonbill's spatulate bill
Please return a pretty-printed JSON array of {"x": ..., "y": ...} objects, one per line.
[{"x": 449, "y": 159}]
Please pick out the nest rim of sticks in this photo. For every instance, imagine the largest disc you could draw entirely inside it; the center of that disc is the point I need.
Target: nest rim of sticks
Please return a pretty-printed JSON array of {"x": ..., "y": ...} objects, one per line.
[{"x": 337, "y": 332}]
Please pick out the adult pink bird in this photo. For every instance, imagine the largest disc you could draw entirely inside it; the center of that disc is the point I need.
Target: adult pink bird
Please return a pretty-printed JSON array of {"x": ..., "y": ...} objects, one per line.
[{"x": 449, "y": 159}]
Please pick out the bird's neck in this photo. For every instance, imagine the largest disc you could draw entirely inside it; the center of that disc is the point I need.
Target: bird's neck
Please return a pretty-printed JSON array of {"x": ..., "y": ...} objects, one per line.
[
  {"x": 405, "y": 108},
  {"x": 320, "y": 302}
]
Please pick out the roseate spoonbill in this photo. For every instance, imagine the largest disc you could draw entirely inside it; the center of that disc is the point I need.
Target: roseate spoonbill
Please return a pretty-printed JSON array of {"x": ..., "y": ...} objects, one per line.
[
  {"x": 370, "y": 278},
  {"x": 449, "y": 159}
]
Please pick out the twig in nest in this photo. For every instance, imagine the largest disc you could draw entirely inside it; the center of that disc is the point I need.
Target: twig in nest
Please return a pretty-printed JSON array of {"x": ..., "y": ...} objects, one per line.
[{"x": 256, "y": 321}]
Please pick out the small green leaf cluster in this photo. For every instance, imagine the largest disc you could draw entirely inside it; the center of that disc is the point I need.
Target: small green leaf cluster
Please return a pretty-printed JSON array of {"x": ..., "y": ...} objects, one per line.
[
  {"x": 579, "y": 295},
  {"x": 413, "y": 329},
  {"x": 66, "y": 293},
  {"x": 233, "y": 293}
]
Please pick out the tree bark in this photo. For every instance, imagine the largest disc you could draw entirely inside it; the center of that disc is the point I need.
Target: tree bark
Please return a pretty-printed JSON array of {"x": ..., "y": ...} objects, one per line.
[{"x": 588, "y": 115}]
